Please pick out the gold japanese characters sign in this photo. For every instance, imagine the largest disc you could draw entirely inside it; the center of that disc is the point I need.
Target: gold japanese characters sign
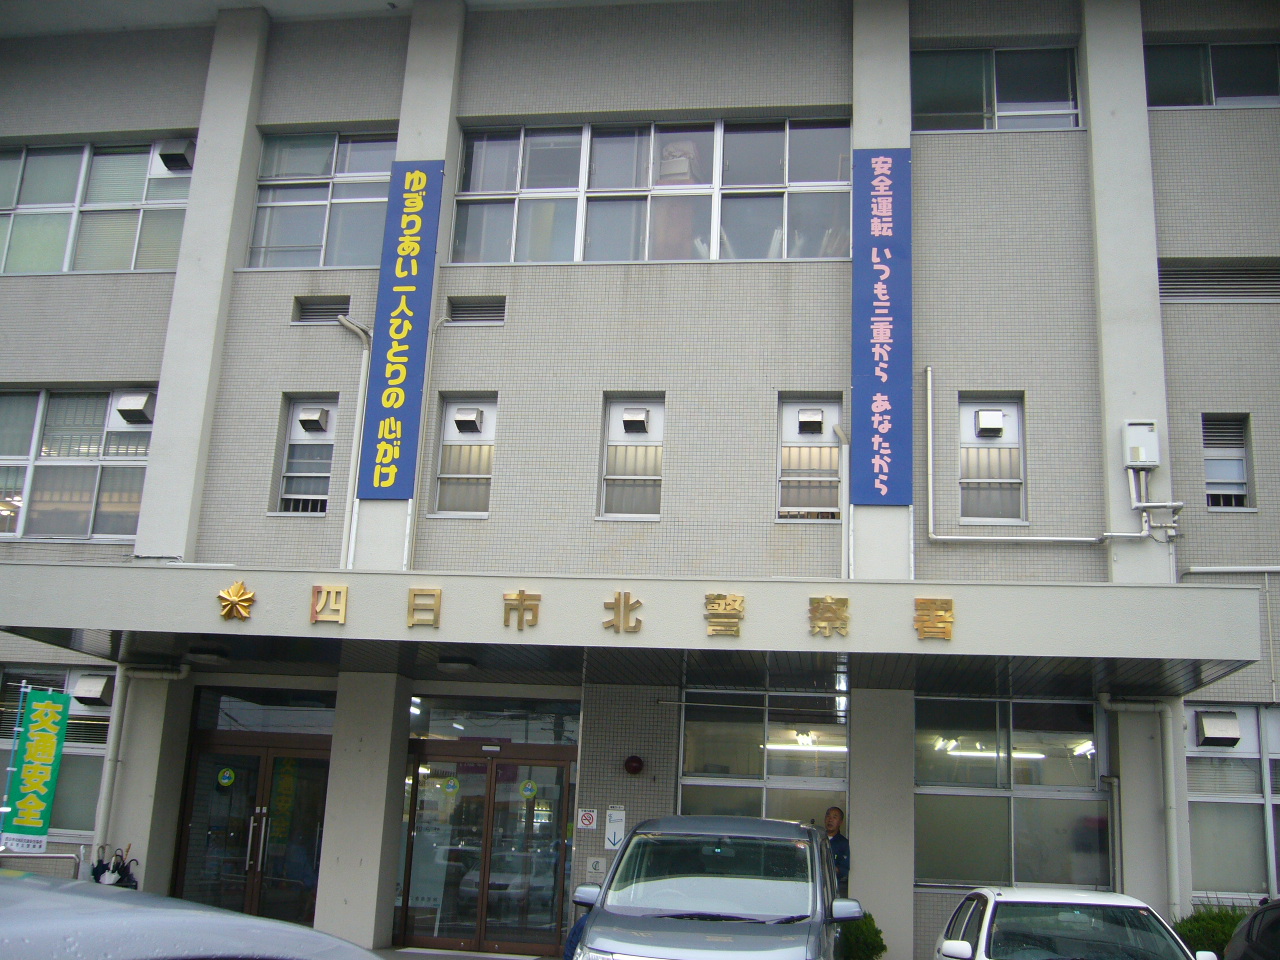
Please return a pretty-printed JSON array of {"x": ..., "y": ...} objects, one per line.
[
  {"x": 424, "y": 606},
  {"x": 623, "y": 607},
  {"x": 827, "y": 614},
  {"x": 934, "y": 618},
  {"x": 524, "y": 606},
  {"x": 328, "y": 604},
  {"x": 724, "y": 614}
]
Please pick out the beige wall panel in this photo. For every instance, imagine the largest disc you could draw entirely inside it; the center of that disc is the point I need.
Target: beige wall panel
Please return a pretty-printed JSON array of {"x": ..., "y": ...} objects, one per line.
[
  {"x": 1217, "y": 194},
  {"x": 696, "y": 57},
  {"x": 720, "y": 340},
  {"x": 982, "y": 203},
  {"x": 82, "y": 328},
  {"x": 103, "y": 83},
  {"x": 1167, "y": 21},
  {"x": 266, "y": 357},
  {"x": 334, "y": 72},
  {"x": 942, "y": 23}
]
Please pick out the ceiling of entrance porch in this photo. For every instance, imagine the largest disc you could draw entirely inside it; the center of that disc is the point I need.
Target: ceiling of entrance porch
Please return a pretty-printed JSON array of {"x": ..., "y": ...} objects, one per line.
[{"x": 531, "y": 664}]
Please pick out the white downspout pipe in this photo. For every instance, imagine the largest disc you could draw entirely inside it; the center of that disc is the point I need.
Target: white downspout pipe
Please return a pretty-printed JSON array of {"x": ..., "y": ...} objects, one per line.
[
  {"x": 115, "y": 731},
  {"x": 351, "y": 514},
  {"x": 1172, "y": 872},
  {"x": 846, "y": 559}
]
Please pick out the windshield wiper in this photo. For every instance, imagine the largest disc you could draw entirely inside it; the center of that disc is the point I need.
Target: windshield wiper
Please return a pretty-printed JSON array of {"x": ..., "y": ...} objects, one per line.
[
  {"x": 796, "y": 919},
  {"x": 704, "y": 916}
]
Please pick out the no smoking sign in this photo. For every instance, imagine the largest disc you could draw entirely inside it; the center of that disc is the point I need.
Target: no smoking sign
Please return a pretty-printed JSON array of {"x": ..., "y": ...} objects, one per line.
[{"x": 586, "y": 819}]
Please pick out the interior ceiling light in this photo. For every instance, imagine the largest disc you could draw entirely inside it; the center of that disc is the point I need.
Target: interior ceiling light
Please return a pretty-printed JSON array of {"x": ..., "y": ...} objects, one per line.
[{"x": 455, "y": 664}]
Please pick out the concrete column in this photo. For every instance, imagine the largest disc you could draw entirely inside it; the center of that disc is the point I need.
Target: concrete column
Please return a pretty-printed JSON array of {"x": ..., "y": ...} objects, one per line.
[
  {"x": 359, "y": 860},
  {"x": 147, "y": 805},
  {"x": 428, "y": 131},
  {"x": 1130, "y": 340},
  {"x": 214, "y": 241},
  {"x": 881, "y": 537},
  {"x": 881, "y": 821}
]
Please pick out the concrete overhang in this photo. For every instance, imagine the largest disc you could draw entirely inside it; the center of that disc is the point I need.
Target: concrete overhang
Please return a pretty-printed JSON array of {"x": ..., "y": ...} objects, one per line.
[{"x": 1008, "y": 639}]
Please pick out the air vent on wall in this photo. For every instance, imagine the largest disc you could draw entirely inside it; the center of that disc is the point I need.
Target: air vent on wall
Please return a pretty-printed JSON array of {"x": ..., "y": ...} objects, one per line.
[
  {"x": 477, "y": 309},
  {"x": 1219, "y": 280},
  {"x": 321, "y": 309},
  {"x": 1223, "y": 431}
]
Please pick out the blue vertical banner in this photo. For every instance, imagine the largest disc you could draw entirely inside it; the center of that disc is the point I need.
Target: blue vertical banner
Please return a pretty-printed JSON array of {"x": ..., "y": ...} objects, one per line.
[
  {"x": 880, "y": 437},
  {"x": 398, "y": 355}
]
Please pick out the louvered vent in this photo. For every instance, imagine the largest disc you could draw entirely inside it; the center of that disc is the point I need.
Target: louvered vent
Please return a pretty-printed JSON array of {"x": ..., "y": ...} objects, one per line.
[
  {"x": 322, "y": 309},
  {"x": 1220, "y": 432},
  {"x": 1219, "y": 280},
  {"x": 81, "y": 729},
  {"x": 477, "y": 309}
]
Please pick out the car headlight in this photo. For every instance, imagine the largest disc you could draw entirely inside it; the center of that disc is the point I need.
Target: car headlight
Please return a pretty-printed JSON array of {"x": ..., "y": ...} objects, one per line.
[{"x": 585, "y": 953}]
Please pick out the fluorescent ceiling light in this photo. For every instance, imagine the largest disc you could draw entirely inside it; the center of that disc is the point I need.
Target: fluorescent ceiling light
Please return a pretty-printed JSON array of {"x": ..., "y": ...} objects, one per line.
[{"x": 817, "y": 747}]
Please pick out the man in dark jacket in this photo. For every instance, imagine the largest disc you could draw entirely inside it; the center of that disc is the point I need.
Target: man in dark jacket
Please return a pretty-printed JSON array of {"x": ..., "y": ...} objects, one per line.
[{"x": 839, "y": 844}]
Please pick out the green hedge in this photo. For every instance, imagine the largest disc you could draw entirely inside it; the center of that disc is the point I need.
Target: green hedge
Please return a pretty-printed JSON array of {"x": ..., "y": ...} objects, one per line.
[
  {"x": 1210, "y": 927},
  {"x": 861, "y": 939}
]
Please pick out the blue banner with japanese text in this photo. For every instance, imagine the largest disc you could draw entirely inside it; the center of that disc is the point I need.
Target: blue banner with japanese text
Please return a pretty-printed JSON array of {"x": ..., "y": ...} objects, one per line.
[
  {"x": 398, "y": 355},
  {"x": 880, "y": 438}
]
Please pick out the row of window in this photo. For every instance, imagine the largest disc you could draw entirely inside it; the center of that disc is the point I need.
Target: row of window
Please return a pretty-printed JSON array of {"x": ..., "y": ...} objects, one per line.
[{"x": 694, "y": 191}]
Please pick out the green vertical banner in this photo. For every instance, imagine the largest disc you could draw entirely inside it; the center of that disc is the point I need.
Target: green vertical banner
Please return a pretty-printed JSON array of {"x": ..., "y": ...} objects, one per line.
[{"x": 36, "y": 759}]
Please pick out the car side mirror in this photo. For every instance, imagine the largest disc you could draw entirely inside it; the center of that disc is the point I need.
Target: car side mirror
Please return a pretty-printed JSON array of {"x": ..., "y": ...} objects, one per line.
[
  {"x": 957, "y": 949},
  {"x": 1206, "y": 955},
  {"x": 842, "y": 909},
  {"x": 586, "y": 895}
]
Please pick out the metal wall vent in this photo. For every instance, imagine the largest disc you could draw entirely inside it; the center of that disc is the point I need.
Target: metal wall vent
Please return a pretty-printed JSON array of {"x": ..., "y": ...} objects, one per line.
[
  {"x": 1223, "y": 431},
  {"x": 1219, "y": 280},
  {"x": 477, "y": 309},
  {"x": 322, "y": 309}
]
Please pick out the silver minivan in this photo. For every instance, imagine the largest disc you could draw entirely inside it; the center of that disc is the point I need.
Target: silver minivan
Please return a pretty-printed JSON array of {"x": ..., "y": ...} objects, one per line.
[{"x": 692, "y": 888}]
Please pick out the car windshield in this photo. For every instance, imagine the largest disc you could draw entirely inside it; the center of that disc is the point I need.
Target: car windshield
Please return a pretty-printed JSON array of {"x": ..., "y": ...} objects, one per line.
[
  {"x": 1049, "y": 931},
  {"x": 705, "y": 877}
]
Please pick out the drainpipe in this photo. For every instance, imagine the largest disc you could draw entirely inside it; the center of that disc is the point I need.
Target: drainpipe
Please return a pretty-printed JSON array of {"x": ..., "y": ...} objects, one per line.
[
  {"x": 115, "y": 730},
  {"x": 351, "y": 514},
  {"x": 846, "y": 564},
  {"x": 1170, "y": 784}
]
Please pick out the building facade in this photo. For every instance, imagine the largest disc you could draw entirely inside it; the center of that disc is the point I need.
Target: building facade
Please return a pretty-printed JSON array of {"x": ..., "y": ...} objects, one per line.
[{"x": 846, "y": 403}]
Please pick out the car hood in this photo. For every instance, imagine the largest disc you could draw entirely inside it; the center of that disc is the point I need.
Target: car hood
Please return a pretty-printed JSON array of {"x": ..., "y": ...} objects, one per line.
[{"x": 697, "y": 939}]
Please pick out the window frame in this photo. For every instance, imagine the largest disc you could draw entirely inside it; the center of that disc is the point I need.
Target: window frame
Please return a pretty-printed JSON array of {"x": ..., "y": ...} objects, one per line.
[
  {"x": 451, "y": 435},
  {"x": 295, "y": 435},
  {"x": 330, "y": 181},
  {"x": 100, "y": 462},
  {"x": 789, "y": 438},
  {"x": 1208, "y": 80},
  {"x": 969, "y": 404},
  {"x": 648, "y": 190},
  {"x": 614, "y": 435},
  {"x": 1240, "y": 455},
  {"x": 80, "y": 208},
  {"x": 991, "y": 102}
]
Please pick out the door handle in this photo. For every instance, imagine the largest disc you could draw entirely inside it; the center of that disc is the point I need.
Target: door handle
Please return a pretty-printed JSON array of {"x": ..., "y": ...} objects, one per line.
[
  {"x": 248, "y": 846},
  {"x": 262, "y": 842}
]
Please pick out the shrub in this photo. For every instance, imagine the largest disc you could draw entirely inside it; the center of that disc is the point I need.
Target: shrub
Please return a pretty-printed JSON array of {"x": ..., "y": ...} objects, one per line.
[
  {"x": 861, "y": 939},
  {"x": 1210, "y": 927}
]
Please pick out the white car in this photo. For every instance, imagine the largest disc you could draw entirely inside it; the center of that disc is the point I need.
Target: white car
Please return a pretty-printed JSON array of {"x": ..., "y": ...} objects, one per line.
[{"x": 1063, "y": 923}]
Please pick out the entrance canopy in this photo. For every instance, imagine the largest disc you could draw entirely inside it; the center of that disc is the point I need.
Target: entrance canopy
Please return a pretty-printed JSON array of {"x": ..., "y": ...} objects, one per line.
[{"x": 1021, "y": 640}]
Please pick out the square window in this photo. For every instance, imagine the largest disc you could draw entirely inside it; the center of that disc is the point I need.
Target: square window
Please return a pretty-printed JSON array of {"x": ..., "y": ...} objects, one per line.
[
  {"x": 991, "y": 461},
  {"x": 632, "y": 475},
  {"x": 308, "y": 456},
  {"x": 1246, "y": 73},
  {"x": 1178, "y": 75},
  {"x": 993, "y": 89},
  {"x": 465, "y": 472}
]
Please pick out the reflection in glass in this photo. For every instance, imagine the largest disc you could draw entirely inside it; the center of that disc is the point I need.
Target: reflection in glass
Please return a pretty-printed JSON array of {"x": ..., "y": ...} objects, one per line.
[
  {"x": 522, "y": 896},
  {"x": 287, "y": 236},
  {"x": 308, "y": 155},
  {"x": 803, "y": 806},
  {"x": 1177, "y": 75},
  {"x": 684, "y": 155},
  {"x": 950, "y": 90},
  {"x": 962, "y": 839},
  {"x": 619, "y": 158},
  {"x": 291, "y": 855},
  {"x": 544, "y": 233},
  {"x": 50, "y": 175},
  {"x": 615, "y": 230},
  {"x": 1061, "y": 841},
  {"x": 37, "y": 243},
  {"x": 1246, "y": 73},
  {"x": 957, "y": 742},
  {"x": 551, "y": 158},
  {"x": 818, "y": 151},
  {"x": 819, "y": 225},
  {"x": 681, "y": 228},
  {"x": 355, "y": 234},
  {"x": 511, "y": 721},
  {"x": 807, "y": 737},
  {"x": 482, "y": 232},
  {"x": 753, "y": 154},
  {"x": 1035, "y": 80},
  {"x": 61, "y": 501},
  {"x": 705, "y": 800},
  {"x": 722, "y": 736},
  {"x": 1227, "y": 850},
  {"x": 1054, "y": 745},
  {"x": 489, "y": 162},
  {"x": 219, "y": 832},
  {"x": 751, "y": 228}
]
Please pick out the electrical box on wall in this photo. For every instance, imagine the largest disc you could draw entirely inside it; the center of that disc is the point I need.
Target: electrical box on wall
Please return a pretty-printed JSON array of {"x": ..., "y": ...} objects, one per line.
[{"x": 1141, "y": 445}]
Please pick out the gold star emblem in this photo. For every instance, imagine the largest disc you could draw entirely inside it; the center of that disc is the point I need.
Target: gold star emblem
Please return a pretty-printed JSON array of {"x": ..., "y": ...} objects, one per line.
[{"x": 236, "y": 601}]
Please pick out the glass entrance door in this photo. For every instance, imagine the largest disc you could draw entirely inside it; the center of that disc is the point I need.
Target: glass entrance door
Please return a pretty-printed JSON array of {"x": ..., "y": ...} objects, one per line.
[
  {"x": 485, "y": 854},
  {"x": 253, "y": 832}
]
